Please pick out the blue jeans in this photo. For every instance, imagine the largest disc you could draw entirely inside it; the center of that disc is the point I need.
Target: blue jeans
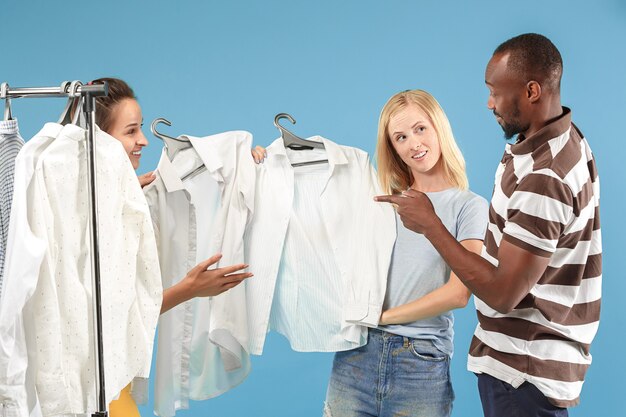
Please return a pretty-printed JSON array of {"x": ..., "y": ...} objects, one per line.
[
  {"x": 390, "y": 376},
  {"x": 501, "y": 399}
]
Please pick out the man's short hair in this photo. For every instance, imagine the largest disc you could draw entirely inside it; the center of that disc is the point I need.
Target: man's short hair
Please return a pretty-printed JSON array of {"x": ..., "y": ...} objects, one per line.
[{"x": 534, "y": 57}]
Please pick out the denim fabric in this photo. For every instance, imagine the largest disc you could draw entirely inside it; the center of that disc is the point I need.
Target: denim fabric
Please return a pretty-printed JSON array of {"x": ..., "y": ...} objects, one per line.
[
  {"x": 390, "y": 376},
  {"x": 501, "y": 399}
]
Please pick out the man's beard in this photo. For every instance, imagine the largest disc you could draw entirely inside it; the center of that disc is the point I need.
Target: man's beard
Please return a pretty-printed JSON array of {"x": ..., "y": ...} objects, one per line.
[{"x": 513, "y": 126}]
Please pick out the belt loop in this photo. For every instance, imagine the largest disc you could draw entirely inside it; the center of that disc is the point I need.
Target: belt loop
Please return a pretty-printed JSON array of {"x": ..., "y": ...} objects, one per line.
[{"x": 405, "y": 342}]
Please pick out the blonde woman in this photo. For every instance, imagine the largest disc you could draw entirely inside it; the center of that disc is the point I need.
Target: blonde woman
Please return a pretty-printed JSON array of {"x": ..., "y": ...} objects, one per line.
[{"x": 404, "y": 369}]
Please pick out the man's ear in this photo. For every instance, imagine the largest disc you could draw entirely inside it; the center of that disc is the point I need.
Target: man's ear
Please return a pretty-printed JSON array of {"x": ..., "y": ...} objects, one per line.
[{"x": 533, "y": 91}]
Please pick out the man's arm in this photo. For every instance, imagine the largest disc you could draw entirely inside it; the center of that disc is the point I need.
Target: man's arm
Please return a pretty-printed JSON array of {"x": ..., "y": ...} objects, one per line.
[{"x": 501, "y": 287}]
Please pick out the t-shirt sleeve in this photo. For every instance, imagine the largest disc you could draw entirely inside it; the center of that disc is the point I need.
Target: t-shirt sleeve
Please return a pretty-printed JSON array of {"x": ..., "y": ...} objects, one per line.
[
  {"x": 538, "y": 212},
  {"x": 473, "y": 219}
]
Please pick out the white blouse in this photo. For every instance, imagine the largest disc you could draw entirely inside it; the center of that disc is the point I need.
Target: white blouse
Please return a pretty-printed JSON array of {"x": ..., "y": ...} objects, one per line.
[
  {"x": 202, "y": 344},
  {"x": 319, "y": 247}
]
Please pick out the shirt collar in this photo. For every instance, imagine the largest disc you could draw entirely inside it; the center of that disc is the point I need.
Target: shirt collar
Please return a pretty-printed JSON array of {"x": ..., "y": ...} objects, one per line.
[
  {"x": 50, "y": 130},
  {"x": 9, "y": 127},
  {"x": 76, "y": 133},
  {"x": 543, "y": 135},
  {"x": 334, "y": 153},
  {"x": 213, "y": 151},
  {"x": 168, "y": 173}
]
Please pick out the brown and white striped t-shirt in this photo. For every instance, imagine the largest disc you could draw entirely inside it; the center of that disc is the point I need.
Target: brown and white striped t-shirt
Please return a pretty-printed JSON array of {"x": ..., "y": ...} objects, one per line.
[{"x": 545, "y": 200}]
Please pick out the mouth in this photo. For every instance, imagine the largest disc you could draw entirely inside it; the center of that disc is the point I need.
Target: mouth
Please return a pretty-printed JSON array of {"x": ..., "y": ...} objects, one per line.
[
  {"x": 420, "y": 155},
  {"x": 136, "y": 153}
]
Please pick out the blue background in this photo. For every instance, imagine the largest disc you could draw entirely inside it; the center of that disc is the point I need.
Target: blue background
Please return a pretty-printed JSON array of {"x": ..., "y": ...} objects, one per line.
[{"x": 213, "y": 66}]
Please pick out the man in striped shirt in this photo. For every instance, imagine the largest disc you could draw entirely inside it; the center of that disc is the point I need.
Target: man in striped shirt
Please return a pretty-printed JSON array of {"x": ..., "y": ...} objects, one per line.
[{"x": 538, "y": 284}]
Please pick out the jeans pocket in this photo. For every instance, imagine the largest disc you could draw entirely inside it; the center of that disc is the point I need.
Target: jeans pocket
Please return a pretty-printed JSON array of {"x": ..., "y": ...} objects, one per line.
[{"x": 426, "y": 351}]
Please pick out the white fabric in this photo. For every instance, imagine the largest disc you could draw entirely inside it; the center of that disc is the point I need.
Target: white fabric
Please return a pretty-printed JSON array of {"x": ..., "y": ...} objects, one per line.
[
  {"x": 46, "y": 333},
  {"x": 16, "y": 397},
  {"x": 358, "y": 231},
  {"x": 202, "y": 343},
  {"x": 304, "y": 300},
  {"x": 10, "y": 144}
]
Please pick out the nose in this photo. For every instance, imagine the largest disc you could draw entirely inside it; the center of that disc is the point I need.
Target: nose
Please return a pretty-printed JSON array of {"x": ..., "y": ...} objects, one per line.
[
  {"x": 415, "y": 142},
  {"x": 491, "y": 103},
  {"x": 142, "y": 140}
]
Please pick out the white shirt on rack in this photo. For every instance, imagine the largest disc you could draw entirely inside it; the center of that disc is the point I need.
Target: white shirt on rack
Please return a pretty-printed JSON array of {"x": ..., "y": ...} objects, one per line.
[
  {"x": 202, "y": 342},
  {"x": 17, "y": 397},
  {"x": 319, "y": 247},
  {"x": 46, "y": 320}
]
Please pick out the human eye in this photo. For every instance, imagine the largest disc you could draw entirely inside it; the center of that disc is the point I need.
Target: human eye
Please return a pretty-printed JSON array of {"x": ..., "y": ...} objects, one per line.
[
  {"x": 400, "y": 138},
  {"x": 420, "y": 129}
]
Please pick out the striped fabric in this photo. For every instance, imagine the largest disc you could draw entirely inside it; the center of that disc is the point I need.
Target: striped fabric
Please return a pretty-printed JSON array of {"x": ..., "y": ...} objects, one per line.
[
  {"x": 10, "y": 144},
  {"x": 545, "y": 200},
  {"x": 309, "y": 290}
]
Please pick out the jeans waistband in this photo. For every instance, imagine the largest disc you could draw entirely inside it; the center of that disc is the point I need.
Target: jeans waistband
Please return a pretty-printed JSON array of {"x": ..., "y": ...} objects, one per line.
[{"x": 398, "y": 339}]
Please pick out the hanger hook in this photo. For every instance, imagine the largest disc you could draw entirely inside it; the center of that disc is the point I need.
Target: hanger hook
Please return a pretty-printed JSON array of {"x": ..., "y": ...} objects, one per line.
[
  {"x": 74, "y": 88},
  {"x": 284, "y": 131},
  {"x": 283, "y": 116},
  {"x": 4, "y": 89},
  {"x": 160, "y": 135},
  {"x": 71, "y": 88}
]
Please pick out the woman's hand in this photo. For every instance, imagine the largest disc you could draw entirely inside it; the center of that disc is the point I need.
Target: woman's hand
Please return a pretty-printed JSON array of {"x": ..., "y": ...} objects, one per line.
[
  {"x": 259, "y": 154},
  {"x": 203, "y": 282},
  {"x": 146, "y": 178}
]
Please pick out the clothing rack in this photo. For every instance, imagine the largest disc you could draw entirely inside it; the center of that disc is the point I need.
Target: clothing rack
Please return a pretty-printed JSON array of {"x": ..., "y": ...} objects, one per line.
[{"x": 88, "y": 93}]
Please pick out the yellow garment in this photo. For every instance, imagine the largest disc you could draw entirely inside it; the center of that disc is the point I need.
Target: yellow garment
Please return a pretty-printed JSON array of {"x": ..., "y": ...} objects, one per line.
[{"x": 124, "y": 406}]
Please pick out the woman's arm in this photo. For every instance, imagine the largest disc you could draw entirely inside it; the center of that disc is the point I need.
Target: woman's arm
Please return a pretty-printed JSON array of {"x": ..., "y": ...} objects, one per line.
[
  {"x": 449, "y": 296},
  {"x": 203, "y": 282}
]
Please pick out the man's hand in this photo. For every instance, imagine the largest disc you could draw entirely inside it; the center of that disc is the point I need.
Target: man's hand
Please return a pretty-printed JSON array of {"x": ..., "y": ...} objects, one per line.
[{"x": 414, "y": 208}]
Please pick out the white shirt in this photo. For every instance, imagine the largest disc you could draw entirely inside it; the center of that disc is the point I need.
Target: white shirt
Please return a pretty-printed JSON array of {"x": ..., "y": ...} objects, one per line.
[
  {"x": 13, "y": 401},
  {"x": 353, "y": 246},
  {"x": 202, "y": 343},
  {"x": 46, "y": 313}
]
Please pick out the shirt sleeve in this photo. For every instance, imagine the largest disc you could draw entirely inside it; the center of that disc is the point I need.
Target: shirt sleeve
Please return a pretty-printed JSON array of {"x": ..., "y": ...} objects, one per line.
[
  {"x": 368, "y": 282},
  {"x": 538, "y": 211},
  {"x": 147, "y": 271},
  {"x": 246, "y": 176},
  {"x": 473, "y": 219}
]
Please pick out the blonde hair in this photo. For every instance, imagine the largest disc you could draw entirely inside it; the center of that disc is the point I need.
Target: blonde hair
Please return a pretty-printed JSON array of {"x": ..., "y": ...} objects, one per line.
[{"x": 394, "y": 175}]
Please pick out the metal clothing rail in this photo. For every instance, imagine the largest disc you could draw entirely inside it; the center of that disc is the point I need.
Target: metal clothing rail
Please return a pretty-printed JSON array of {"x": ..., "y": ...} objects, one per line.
[{"x": 88, "y": 94}]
